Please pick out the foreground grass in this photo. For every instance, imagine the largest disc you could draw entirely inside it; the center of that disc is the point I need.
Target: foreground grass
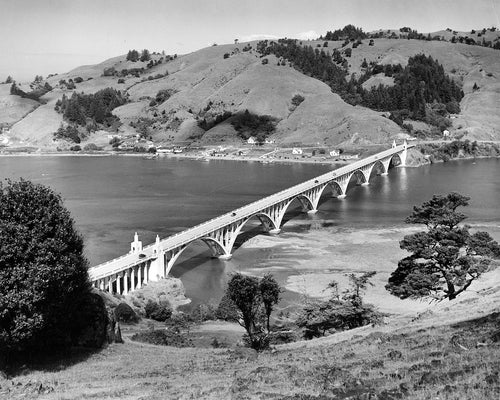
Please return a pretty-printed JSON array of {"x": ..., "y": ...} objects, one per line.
[{"x": 457, "y": 361}]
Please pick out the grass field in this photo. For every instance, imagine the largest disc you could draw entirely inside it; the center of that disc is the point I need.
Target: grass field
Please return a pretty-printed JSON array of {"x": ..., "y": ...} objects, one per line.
[{"x": 460, "y": 360}]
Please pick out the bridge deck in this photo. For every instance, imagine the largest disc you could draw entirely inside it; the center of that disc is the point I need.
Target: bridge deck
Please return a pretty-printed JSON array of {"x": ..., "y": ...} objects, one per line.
[{"x": 201, "y": 230}]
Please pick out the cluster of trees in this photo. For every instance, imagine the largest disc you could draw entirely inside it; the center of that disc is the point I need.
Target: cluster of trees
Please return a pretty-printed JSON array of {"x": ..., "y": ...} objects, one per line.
[
  {"x": 38, "y": 91},
  {"x": 134, "y": 55},
  {"x": 208, "y": 122},
  {"x": 161, "y": 96},
  {"x": 69, "y": 132},
  {"x": 248, "y": 124},
  {"x": 255, "y": 299},
  {"x": 45, "y": 298},
  {"x": 313, "y": 62},
  {"x": 348, "y": 32},
  {"x": 340, "y": 312},
  {"x": 421, "y": 82},
  {"x": 96, "y": 108}
]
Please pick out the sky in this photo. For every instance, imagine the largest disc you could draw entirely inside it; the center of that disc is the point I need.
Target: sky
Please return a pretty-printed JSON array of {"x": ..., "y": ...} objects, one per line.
[{"x": 39, "y": 37}]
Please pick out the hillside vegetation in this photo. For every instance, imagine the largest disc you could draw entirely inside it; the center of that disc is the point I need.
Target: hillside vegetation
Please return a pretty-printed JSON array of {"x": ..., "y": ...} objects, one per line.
[{"x": 356, "y": 88}]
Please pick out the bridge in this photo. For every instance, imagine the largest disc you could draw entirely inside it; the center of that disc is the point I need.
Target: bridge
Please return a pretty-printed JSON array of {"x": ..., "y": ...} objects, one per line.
[{"x": 153, "y": 262}]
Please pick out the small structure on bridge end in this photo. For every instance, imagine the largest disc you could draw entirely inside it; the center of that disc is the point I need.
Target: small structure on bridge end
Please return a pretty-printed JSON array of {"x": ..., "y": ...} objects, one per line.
[{"x": 136, "y": 245}]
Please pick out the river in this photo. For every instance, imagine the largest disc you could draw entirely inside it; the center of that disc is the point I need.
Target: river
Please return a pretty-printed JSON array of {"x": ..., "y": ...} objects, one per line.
[{"x": 111, "y": 197}]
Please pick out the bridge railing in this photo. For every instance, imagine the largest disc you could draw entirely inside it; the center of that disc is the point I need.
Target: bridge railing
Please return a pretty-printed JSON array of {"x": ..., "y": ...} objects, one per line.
[{"x": 249, "y": 209}]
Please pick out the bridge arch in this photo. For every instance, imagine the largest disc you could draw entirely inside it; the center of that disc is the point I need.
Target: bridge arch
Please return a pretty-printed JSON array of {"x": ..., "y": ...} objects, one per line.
[
  {"x": 266, "y": 221},
  {"x": 215, "y": 247},
  {"x": 359, "y": 176},
  {"x": 378, "y": 168},
  {"x": 395, "y": 157}
]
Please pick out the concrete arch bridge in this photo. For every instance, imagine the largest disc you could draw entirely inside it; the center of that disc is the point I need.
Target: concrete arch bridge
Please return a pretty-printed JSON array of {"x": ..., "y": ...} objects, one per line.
[{"x": 153, "y": 262}]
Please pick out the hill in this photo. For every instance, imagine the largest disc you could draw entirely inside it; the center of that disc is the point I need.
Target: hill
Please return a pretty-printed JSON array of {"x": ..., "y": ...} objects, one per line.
[
  {"x": 168, "y": 96},
  {"x": 450, "y": 351}
]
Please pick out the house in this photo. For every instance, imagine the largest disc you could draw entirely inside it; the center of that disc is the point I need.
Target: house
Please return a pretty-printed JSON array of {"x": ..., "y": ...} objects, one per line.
[
  {"x": 251, "y": 140},
  {"x": 334, "y": 153},
  {"x": 297, "y": 150},
  {"x": 269, "y": 141},
  {"x": 446, "y": 133}
]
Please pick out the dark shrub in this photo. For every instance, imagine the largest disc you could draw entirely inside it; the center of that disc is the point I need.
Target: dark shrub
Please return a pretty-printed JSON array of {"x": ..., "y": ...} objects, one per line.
[
  {"x": 226, "y": 55},
  {"x": 297, "y": 99},
  {"x": 91, "y": 147},
  {"x": 227, "y": 310},
  {"x": 124, "y": 313},
  {"x": 203, "y": 312},
  {"x": 158, "y": 311},
  {"x": 45, "y": 292},
  {"x": 78, "y": 79},
  {"x": 164, "y": 337},
  {"x": 75, "y": 148},
  {"x": 265, "y": 61},
  {"x": 121, "y": 80}
]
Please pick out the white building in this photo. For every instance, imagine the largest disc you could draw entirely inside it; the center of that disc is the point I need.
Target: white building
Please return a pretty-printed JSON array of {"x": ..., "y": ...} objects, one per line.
[
  {"x": 334, "y": 153},
  {"x": 251, "y": 140},
  {"x": 297, "y": 150}
]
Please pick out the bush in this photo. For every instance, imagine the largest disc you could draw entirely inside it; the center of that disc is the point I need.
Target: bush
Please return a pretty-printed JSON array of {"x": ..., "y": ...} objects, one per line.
[
  {"x": 226, "y": 55},
  {"x": 158, "y": 311},
  {"x": 202, "y": 312},
  {"x": 43, "y": 272},
  {"x": 248, "y": 124},
  {"x": 75, "y": 148},
  {"x": 227, "y": 310},
  {"x": 121, "y": 80},
  {"x": 91, "y": 147},
  {"x": 68, "y": 133},
  {"x": 164, "y": 337},
  {"x": 124, "y": 313},
  {"x": 78, "y": 79},
  {"x": 297, "y": 99}
]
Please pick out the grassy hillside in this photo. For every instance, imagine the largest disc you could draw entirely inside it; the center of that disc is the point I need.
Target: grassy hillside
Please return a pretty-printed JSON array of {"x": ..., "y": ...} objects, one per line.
[
  {"x": 451, "y": 351},
  {"x": 233, "y": 78}
]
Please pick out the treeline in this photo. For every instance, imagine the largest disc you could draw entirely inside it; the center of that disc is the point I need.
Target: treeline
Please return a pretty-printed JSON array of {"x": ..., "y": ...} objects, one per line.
[
  {"x": 316, "y": 63},
  {"x": 459, "y": 148},
  {"x": 422, "y": 82},
  {"x": 35, "y": 94},
  {"x": 348, "y": 32},
  {"x": 96, "y": 108}
]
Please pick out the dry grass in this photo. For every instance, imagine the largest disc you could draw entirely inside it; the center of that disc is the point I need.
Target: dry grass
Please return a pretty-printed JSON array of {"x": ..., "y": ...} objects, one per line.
[{"x": 448, "y": 361}]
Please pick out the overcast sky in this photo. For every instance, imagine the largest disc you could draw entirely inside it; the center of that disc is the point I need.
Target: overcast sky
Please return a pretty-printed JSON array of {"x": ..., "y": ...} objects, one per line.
[{"x": 48, "y": 36}]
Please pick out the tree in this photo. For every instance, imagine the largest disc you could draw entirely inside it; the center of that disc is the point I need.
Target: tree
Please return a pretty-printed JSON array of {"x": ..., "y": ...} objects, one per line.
[
  {"x": 9, "y": 79},
  {"x": 446, "y": 258},
  {"x": 45, "y": 297},
  {"x": 270, "y": 292},
  {"x": 250, "y": 295},
  {"x": 132, "y": 55},
  {"x": 338, "y": 313},
  {"x": 145, "y": 55}
]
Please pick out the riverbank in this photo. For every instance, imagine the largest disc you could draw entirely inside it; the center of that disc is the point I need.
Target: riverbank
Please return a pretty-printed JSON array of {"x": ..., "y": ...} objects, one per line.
[{"x": 306, "y": 261}]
